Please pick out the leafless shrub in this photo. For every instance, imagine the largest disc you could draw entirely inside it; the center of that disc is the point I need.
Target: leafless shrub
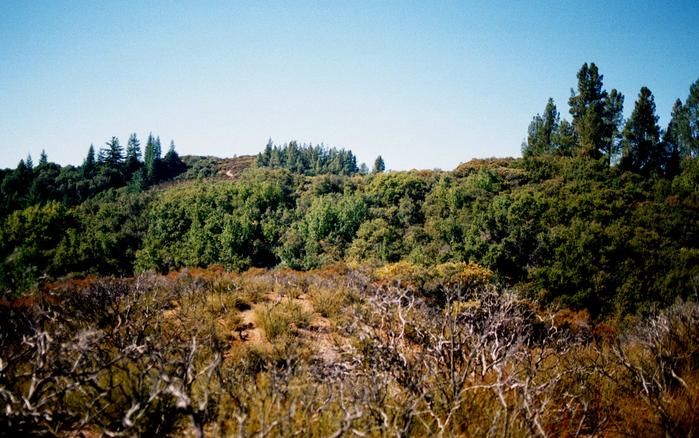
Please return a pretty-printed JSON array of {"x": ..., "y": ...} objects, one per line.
[{"x": 156, "y": 356}]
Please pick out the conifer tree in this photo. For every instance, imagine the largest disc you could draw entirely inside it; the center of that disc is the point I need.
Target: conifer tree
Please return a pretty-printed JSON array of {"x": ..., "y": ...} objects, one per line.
[
  {"x": 157, "y": 150},
  {"x": 172, "y": 164},
  {"x": 88, "y": 167},
  {"x": 379, "y": 165},
  {"x": 113, "y": 154},
  {"x": 541, "y": 132},
  {"x": 151, "y": 159},
  {"x": 689, "y": 134},
  {"x": 133, "y": 154},
  {"x": 597, "y": 115},
  {"x": 642, "y": 151},
  {"x": 672, "y": 142},
  {"x": 612, "y": 122},
  {"x": 564, "y": 139},
  {"x": 43, "y": 158}
]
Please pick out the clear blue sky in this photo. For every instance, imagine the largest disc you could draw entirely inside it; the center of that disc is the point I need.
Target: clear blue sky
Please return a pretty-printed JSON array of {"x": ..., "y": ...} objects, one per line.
[{"x": 426, "y": 84}]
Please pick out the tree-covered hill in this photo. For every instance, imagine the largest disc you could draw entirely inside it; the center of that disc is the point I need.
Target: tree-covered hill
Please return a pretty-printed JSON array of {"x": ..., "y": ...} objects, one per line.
[{"x": 600, "y": 213}]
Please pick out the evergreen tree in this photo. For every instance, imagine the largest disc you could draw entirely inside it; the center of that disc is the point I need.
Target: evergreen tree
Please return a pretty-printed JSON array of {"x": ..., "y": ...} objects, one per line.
[
  {"x": 379, "y": 165},
  {"x": 689, "y": 134},
  {"x": 672, "y": 142},
  {"x": 157, "y": 150},
  {"x": 564, "y": 138},
  {"x": 588, "y": 110},
  {"x": 133, "y": 154},
  {"x": 88, "y": 167},
  {"x": 172, "y": 164},
  {"x": 612, "y": 122},
  {"x": 112, "y": 155},
  {"x": 29, "y": 163},
  {"x": 263, "y": 157},
  {"x": 590, "y": 92},
  {"x": 541, "y": 132},
  {"x": 151, "y": 158},
  {"x": 43, "y": 158},
  {"x": 642, "y": 150}
]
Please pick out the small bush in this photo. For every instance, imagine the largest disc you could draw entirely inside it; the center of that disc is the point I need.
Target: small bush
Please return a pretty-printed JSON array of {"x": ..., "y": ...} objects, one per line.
[
  {"x": 277, "y": 319},
  {"x": 327, "y": 302}
]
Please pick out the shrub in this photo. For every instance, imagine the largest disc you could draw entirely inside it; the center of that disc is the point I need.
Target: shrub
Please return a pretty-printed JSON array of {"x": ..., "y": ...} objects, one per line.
[
  {"x": 277, "y": 319},
  {"x": 326, "y": 301}
]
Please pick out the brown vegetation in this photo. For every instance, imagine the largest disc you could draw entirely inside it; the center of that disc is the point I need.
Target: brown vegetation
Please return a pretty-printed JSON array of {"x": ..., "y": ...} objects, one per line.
[{"x": 342, "y": 351}]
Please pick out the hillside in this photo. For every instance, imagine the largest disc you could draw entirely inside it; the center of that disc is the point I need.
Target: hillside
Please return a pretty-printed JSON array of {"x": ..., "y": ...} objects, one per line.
[
  {"x": 296, "y": 292},
  {"x": 564, "y": 231},
  {"x": 390, "y": 351}
]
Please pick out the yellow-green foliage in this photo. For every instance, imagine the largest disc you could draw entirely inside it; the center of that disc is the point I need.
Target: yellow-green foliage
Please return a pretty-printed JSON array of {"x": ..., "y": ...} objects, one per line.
[
  {"x": 466, "y": 276},
  {"x": 403, "y": 273},
  {"x": 278, "y": 319},
  {"x": 327, "y": 302}
]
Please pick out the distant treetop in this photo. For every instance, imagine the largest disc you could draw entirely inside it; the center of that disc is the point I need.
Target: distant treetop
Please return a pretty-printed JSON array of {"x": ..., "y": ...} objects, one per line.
[{"x": 308, "y": 159}]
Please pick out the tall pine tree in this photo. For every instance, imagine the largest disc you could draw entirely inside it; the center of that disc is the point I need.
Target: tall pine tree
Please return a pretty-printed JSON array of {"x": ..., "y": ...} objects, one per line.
[
  {"x": 612, "y": 125},
  {"x": 641, "y": 148},
  {"x": 597, "y": 115},
  {"x": 88, "y": 167},
  {"x": 689, "y": 134},
  {"x": 112, "y": 155},
  {"x": 152, "y": 159},
  {"x": 133, "y": 155},
  {"x": 379, "y": 165},
  {"x": 672, "y": 142},
  {"x": 542, "y": 129}
]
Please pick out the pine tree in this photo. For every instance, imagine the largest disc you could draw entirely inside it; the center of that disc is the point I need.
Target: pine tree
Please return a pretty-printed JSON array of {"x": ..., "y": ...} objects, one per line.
[
  {"x": 88, "y": 167},
  {"x": 672, "y": 141},
  {"x": 112, "y": 154},
  {"x": 43, "y": 158},
  {"x": 590, "y": 92},
  {"x": 541, "y": 132},
  {"x": 263, "y": 157},
  {"x": 172, "y": 164},
  {"x": 689, "y": 134},
  {"x": 151, "y": 159},
  {"x": 157, "y": 150},
  {"x": 379, "y": 165},
  {"x": 29, "y": 162},
  {"x": 642, "y": 151},
  {"x": 564, "y": 139},
  {"x": 133, "y": 154},
  {"x": 597, "y": 115},
  {"x": 612, "y": 123}
]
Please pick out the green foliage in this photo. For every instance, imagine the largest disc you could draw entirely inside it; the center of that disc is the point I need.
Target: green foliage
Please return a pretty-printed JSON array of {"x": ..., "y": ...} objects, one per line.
[
  {"x": 379, "y": 165},
  {"x": 28, "y": 241},
  {"x": 543, "y": 132},
  {"x": 229, "y": 223},
  {"x": 308, "y": 159},
  {"x": 565, "y": 225},
  {"x": 642, "y": 150}
]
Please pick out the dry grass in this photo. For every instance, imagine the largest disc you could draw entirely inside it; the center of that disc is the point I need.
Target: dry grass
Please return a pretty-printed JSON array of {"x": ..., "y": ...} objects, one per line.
[
  {"x": 281, "y": 318},
  {"x": 327, "y": 302},
  {"x": 253, "y": 354}
]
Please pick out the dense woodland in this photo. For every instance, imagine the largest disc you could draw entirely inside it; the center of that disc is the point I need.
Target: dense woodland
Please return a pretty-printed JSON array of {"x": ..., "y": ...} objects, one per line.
[
  {"x": 560, "y": 251},
  {"x": 600, "y": 214}
]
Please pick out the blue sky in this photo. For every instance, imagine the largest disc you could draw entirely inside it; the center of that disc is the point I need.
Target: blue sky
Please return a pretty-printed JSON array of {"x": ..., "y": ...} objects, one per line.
[{"x": 425, "y": 84}]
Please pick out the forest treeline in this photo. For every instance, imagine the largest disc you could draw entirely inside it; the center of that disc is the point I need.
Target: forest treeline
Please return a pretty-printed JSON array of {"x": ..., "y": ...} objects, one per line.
[
  {"x": 600, "y": 213},
  {"x": 111, "y": 166}
]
